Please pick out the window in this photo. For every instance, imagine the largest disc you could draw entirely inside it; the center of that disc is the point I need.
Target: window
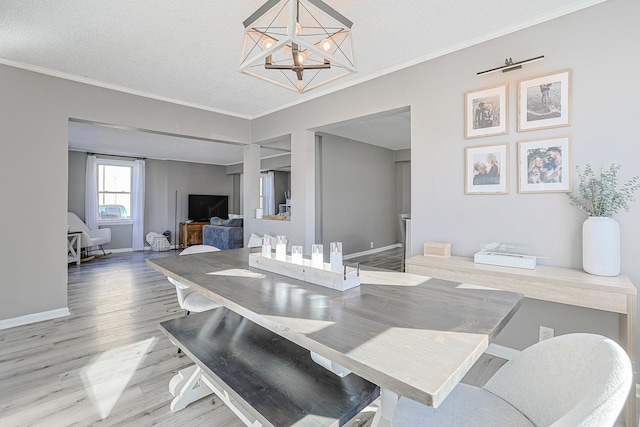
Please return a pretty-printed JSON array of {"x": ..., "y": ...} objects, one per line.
[{"x": 114, "y": 190}]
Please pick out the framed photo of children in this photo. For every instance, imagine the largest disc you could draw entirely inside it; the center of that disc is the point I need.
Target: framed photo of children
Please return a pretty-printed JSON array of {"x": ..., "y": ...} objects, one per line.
[
  {"x": 544, "y": 165},
  {"x": 544, "y": 101},
  {"x": 486, "y": 112},
  {"x": 487, "y": 169}
]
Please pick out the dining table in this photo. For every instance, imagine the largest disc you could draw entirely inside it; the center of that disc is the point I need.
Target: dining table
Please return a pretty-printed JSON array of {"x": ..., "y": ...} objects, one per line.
[{"x": 412, "y": 335}]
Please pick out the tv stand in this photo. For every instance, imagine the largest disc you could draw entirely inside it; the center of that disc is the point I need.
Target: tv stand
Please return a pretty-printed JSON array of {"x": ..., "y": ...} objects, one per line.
[{"x": 191, "y": 233}]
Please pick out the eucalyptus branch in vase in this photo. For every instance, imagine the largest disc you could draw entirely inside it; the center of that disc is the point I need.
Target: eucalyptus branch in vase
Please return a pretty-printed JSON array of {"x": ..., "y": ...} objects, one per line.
[{"x": 599, "y": 194}]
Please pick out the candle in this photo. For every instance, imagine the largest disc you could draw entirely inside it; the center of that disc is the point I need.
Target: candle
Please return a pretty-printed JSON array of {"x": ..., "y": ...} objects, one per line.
[
  {"x": 266, "y": 247},
  {"x": 317, "y": 256},
  {"x": 296, "y": 254},
  {"x": 336, "y": 257},
  {"x": 281, "y": 248}
]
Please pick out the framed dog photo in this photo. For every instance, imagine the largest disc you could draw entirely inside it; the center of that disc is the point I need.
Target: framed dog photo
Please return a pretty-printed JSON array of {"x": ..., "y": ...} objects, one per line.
[
  {"x": 487, "y": 169},
  {"x": 544, "y": 165},
  {"x": 544, "y": 101},
  {"x": 486, "y": 112}
]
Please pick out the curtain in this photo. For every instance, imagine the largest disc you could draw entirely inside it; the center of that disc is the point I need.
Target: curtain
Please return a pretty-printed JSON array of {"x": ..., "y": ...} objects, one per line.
[
  {"x": 137, "y": 206},
  {"x": 268, "y": 193},
  {"x": 91, "y": 194}
]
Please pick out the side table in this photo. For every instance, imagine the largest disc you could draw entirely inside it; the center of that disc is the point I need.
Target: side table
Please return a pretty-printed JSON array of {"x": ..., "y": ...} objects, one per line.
[{"x": 73, "y": 247}]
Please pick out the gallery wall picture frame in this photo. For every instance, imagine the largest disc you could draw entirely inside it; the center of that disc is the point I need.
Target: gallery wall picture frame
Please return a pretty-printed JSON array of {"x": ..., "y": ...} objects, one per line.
[
  {"x": 544, "y": 101},
  {"x": 544, "y": 165},
  {"x": 486, "y": 169},
  {"x": 486, "y": 111}
]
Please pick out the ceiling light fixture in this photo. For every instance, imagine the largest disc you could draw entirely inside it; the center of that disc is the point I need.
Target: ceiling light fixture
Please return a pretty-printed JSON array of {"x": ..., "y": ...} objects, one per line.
[
  {"x": 509, "y": 65},
  {"x": 297, "y": 44}
]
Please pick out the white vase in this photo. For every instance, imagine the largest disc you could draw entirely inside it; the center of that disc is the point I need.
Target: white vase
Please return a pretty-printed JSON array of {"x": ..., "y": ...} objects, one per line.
[{"x": 601, "y": 246}]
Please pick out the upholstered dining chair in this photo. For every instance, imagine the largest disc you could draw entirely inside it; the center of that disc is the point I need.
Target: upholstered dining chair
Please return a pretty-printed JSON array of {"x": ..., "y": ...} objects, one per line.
[
  {"x": 574, "y": 380},
  {"x": 189, "y": 300}
]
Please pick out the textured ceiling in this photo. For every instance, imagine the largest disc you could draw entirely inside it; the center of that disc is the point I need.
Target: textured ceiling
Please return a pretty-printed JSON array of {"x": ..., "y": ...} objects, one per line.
[{"x": 189, "y": 50}]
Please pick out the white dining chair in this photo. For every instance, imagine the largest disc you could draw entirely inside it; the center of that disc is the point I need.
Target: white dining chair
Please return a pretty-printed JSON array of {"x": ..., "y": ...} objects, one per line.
[
  {"x": 574, "y": 380},
  {"x": 188, "y": 299}
]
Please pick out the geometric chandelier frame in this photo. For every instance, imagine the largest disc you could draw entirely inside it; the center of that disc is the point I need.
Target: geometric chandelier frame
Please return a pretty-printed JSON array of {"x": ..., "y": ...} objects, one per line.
[{"x": 297, "y": 44}]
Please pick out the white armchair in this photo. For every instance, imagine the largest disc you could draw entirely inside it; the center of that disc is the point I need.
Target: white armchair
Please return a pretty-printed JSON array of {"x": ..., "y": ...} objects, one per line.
[
  {"x": 575, "y": 380},
  {"x": 89, "y": 238}
]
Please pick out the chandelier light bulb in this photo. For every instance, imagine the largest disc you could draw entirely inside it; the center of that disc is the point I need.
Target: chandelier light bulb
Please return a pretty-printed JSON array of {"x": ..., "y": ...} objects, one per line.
[
  {"x": 267, "y": 43},
  {"x": 326, "y": 45},
  {"x": 301, "y": 58}
]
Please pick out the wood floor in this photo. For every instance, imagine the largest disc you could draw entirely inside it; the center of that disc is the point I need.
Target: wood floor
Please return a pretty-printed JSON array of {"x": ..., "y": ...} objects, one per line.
[{"x": 108, "y": 363}]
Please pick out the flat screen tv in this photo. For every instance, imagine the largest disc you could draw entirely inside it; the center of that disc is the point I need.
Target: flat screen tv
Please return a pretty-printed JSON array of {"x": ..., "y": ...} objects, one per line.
[{"x": 202, "y": 207}]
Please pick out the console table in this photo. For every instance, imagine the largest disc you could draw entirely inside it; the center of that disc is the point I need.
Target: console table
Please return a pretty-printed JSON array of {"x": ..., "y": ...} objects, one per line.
[
  {"x": 554, "y": 284},
  {"x": 412, "y": 336},
  {"x": 190, "y": 233}
]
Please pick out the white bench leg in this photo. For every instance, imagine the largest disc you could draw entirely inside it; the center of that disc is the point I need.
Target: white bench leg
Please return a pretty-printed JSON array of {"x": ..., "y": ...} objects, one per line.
[
  {"x": 179, "y": 379},
  {"x": 192, "y": 389},
  {"x": 388, "y": 402}
]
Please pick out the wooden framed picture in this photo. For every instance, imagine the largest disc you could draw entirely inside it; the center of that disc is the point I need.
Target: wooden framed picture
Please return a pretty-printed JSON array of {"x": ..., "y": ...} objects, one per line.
[
  {"x": 487, "y": 169},
  {"x": 544, "y": 101},
  {"x": 544, "y": 165},
  {"x": 486, "y": 112}
]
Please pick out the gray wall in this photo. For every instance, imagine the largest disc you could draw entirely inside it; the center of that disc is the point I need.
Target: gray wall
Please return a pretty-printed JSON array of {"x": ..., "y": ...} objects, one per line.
[
  {"x": 34, "y": 112},
  {"x": 163, "y": 179},
  {"x": 281, "y": 183},
  {"x": 403, "y": 191},
  {"x": 358, "y": 194},
  {"x": 604, "y": 108}
]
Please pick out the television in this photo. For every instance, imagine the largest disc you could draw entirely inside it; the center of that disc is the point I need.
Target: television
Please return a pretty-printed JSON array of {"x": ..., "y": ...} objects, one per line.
[{"x": 202, "y": 207}]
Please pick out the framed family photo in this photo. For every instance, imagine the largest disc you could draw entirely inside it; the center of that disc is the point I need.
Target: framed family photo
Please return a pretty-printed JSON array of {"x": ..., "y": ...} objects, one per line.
[
  {"x": 487, "y": 169},
  {"x": 544, "y": 101},
  {"x": 544, "y": 165},
  {"x": 486, "y": 112}
]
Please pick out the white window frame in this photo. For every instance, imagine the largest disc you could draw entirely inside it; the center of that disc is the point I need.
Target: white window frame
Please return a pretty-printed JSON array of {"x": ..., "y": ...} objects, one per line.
[{"x": 110, "y": 162}]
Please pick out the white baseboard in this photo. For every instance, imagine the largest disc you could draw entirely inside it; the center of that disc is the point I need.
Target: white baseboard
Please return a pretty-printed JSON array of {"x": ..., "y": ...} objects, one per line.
[
  {"x": 33, "y": 318},
  {"x": 116, "y": 251},
  {"x": 121, "y": 250},
  {"x": 372, "y": 251}
]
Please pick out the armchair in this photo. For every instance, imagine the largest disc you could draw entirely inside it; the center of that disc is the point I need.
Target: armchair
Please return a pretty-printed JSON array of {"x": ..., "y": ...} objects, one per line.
[
  {"x": 89, "y": 238},
  {"x": 568, "y": 381}
]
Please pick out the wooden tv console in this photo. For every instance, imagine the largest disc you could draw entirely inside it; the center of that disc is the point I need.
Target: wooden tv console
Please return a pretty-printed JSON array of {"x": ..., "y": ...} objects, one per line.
[{"x": 191, "y": 233}]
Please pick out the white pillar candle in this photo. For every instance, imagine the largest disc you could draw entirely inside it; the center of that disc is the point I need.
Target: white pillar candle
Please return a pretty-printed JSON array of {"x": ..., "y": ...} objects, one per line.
[
  {"x": 296, "y": 254},
  {"x": 317, "y": 256},
  {"x": 335, "y": 256},
  {"x": 281, "y": 248},
  {"x": 266, "y": 247}
]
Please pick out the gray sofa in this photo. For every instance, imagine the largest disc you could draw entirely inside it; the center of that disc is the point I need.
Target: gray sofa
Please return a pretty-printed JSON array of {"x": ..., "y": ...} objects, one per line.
[{"x": 224, "y": 233}]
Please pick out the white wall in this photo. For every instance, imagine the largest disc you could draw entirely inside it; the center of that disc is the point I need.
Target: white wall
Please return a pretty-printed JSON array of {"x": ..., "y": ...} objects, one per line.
[{"x": 597, "y": 44}]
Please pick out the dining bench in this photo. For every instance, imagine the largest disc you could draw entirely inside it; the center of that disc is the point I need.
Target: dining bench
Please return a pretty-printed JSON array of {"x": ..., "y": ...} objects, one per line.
[{"x": 265, "y": 379}]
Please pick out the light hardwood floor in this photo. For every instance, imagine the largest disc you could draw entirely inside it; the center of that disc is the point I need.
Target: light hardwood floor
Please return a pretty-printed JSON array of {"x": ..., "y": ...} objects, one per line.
[{"x": 108, "y": 363}]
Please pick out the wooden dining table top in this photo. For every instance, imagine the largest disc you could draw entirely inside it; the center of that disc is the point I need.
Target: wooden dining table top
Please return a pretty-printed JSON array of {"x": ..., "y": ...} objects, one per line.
[{"x": 413, "y": 335}]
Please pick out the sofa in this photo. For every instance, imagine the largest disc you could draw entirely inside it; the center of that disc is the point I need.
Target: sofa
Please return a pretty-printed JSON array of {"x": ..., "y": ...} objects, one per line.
[{"x": 224, "y": 233}]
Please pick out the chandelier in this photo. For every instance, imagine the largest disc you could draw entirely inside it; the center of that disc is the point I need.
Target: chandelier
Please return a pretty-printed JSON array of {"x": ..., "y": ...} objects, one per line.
[{"x": 297, "y": 44}]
